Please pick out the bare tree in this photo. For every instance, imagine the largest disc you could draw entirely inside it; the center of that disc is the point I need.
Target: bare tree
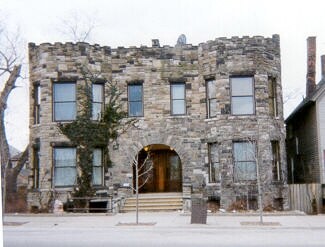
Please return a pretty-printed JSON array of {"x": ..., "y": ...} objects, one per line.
[
  {"x": 142, "y": 171},
  {"x": 10, "y": 71},
  {"x": 77, "y": 26}
]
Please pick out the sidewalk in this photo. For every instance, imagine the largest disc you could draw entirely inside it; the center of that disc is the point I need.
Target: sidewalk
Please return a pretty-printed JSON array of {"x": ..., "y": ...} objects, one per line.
[{"x": 163, "y": 220}]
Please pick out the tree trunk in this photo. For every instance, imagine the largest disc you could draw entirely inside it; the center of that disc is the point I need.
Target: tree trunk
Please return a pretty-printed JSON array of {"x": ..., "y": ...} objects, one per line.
[{"x": 4, "y": 147}]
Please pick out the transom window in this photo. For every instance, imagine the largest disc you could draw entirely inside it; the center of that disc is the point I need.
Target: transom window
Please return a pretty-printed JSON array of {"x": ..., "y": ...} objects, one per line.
[
  {"x": 64, "y": 166},
  {"x": 64, "y": 100},
  {"x": 211, "y": 98},
  {"x": 97, "y": 176},
  {"x": 244, "y": 161},
  {"x": 178, "y": 104},
  {"x": 97, "y": 100},
  {"x": 135, "y": 100},
  {"x": 242, "y": 95}
]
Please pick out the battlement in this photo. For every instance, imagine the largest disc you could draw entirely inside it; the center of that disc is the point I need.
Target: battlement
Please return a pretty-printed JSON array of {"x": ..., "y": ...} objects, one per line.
[{"x": 157, "y": 51}]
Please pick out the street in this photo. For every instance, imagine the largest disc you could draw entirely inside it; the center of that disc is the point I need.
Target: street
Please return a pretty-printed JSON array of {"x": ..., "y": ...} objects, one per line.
[{"x": 170, "y": 229}]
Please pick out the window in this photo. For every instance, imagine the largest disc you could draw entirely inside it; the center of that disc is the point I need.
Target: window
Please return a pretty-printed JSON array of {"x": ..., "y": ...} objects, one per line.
[
  {"x": 214, "y": 165},
  {"x": 37, "y": 103},
  {"x": 64, "y": 166},
  {"x": 211, "y": 98},
  {"x": 97, "y": 101},
  {"x": 276, "y": 165},
  {"x": 64, "y": 101},
  {"x": 135, "y": 100},
  {"x": 242, "y": 96},
  {"x": 244, "y": 161},
  {"x": 36, "y": 160},
  {"x": 178, "y": 98},
  {"x": 273, "y": 106},
  {"x": 97, "y": 177}
]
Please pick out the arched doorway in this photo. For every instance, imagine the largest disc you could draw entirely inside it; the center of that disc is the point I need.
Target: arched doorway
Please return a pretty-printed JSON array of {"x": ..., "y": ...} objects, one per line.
[{"x": 162, "y": 171}]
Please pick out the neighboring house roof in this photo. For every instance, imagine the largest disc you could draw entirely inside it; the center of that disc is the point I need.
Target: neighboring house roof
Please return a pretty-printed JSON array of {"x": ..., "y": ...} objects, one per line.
[{"x": 320, "y": 89}]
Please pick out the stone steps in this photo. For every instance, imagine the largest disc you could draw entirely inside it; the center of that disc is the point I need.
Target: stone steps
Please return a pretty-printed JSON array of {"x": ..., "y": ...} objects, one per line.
[{"x": 155, "y": 202}]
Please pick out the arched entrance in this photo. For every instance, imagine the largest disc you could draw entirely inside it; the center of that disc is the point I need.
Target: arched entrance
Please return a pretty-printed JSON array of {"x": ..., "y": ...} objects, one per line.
[{"x": 162, "y": 172}]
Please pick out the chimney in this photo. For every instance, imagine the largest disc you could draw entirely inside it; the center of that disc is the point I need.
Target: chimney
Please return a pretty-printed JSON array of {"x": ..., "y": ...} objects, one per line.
[
  {"x": 323, "y": 67},
  {"x": 311, "y": 66}
]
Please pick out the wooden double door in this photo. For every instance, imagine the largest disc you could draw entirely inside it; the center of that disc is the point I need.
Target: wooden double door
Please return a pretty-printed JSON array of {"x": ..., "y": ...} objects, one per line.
[{"x": 165, "y": 174}]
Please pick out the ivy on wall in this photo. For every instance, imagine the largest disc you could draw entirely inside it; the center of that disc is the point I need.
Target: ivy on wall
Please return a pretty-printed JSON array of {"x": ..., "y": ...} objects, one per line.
[{"x": 87, "y": 134}]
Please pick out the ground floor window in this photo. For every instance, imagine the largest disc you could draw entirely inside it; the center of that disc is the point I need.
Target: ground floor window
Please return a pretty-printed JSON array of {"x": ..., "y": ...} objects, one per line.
[
  {"x": 276, "y": 164},
  {"x": 214, "y": 165},
  {"x": 64, "y": 166},
  {"x": 97, "y": 176},
  {"x": 244, "y": 154}
]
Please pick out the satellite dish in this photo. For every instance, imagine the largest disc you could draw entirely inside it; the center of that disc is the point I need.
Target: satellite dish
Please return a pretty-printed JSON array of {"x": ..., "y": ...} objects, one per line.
[{"x": 181, "y": 40}]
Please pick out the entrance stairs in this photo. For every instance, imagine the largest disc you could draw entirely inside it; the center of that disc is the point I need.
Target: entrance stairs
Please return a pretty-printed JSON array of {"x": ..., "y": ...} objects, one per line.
[{"x": 154, "y": 202}]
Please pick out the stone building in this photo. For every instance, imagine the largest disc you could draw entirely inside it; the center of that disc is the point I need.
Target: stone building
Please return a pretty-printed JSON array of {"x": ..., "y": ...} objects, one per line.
[{"x": 210, "y": 114}]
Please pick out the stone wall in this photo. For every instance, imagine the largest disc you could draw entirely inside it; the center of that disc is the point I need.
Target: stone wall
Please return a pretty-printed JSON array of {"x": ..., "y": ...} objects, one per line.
[{"x": 156, "y": 67}]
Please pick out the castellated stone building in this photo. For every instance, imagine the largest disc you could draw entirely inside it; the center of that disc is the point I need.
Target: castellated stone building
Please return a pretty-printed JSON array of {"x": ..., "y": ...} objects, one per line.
[{"x": 211, "y": 115}]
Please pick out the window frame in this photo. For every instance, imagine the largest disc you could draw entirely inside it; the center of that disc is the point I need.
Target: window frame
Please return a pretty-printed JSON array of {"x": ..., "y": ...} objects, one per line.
[
  {"x": 102, "y": 102},
  {"x": 235, "y": 167},
  {"x": 252, "y": 95},
  {"x": 212, "y": 165},
  {"x": 36, "y": 166},
  {"x": 273, "y": 99},
  {"x": 172, "y": 84},
  {"x": 276, "y": 161},
  {"x": 208, "y": 99},
  {"x": 56, "y": 102},
  {"x": 141, "y": 100},
  {"x": 37, "y": 102},
  {"x": 63, "y": 167},
  {"x": 101, "y": 166}
]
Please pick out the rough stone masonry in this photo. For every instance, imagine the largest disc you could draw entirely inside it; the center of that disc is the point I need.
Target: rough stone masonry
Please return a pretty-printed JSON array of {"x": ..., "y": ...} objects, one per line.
[{"x": 204, "y": 142}]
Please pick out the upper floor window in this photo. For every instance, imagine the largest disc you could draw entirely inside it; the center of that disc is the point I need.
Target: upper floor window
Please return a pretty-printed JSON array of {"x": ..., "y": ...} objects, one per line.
[
  {"x": 64, "y": 166},
  {"x": 242, "y": 95},
  {"x": 244, "y": 154},
  {"x": 97, "y": 175},
  {"x": 178, "y": 104},
  {"x": 273, "y": 106},
  {"x": 64, "y": 100},
  {"x": 135, "y": 100},
  {"x": 97, "y": 100},
  {"x": 211, "y": 98},
  {"x": 276, "y": 164},
  {"x": 214, "y": 165},
  {"x": 37, "y": 103}
]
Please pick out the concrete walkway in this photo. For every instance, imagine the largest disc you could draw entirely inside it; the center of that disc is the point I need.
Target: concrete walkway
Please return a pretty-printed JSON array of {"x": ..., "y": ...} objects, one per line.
[
  {"x": 164, "y": 220},
  {"x": 163, "y": 229}
]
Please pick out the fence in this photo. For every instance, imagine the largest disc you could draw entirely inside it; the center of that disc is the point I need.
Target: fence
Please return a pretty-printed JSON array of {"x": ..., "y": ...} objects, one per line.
[{"x": 306, "y": 197}]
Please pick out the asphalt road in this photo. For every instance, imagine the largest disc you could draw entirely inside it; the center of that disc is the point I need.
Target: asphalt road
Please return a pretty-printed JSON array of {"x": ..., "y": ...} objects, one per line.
[{"x": 151, "y": 236}]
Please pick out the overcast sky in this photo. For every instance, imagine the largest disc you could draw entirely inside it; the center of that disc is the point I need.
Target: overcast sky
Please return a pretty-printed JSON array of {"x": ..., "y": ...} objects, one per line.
[{"x": 136, "y": 22}]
